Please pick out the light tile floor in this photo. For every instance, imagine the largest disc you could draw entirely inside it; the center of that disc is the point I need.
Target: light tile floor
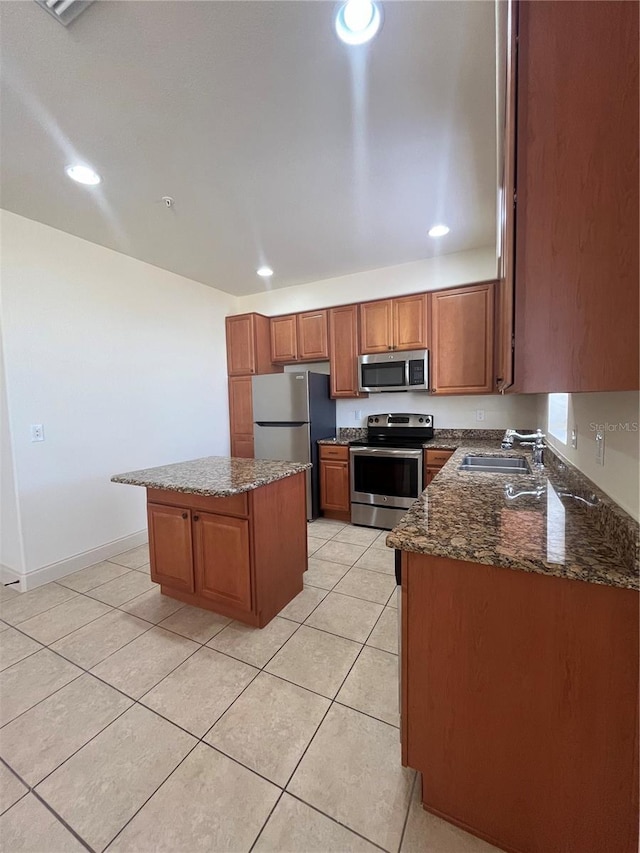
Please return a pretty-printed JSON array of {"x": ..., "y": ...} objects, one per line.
[{"x": 132, "y": 722}]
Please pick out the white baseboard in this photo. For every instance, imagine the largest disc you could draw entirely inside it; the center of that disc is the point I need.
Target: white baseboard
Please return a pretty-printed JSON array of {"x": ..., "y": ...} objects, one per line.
[
  {"x": 55, "y": 571},
  {"x": 10, "y": 576}
]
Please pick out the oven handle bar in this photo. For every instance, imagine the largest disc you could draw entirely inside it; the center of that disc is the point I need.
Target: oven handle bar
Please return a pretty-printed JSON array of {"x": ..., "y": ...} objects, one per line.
[{"x": 384, "y": 451}]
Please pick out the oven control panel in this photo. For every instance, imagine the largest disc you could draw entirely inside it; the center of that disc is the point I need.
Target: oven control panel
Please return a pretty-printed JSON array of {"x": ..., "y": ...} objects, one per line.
[{"x": 400, "y": 420}]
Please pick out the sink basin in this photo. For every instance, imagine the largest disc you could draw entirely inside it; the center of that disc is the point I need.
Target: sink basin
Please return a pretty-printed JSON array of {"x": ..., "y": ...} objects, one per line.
[{"x": 495, "y": 464}]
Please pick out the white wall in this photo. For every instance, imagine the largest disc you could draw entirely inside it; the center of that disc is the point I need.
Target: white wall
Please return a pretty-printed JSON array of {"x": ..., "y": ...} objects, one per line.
[
  {"x": 620, "y": 474},
  {"x": 517, "y": 411},
  {"x": 417, "y": 277},
  {"x": 123, "y": 363},
  {"x": 11, "y": 553}
]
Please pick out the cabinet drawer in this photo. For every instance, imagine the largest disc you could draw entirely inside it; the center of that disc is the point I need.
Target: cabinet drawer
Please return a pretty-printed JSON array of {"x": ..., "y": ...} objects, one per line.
[
  {"x": 334, "y": 451},
  {"x": 437, "y": 458},
  {"x": 233, "y": 505}
]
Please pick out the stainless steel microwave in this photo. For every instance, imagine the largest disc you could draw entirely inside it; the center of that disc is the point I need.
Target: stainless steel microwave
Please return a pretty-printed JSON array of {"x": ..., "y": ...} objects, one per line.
[{"x": 394, "y": 371}]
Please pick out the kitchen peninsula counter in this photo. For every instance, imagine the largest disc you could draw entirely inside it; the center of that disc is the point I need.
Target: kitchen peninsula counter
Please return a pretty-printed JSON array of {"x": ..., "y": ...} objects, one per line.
[
  {"x": 519, "y": 656},
  {"x": 551, "y": 521},
  {"x": 227, "y": 534}
]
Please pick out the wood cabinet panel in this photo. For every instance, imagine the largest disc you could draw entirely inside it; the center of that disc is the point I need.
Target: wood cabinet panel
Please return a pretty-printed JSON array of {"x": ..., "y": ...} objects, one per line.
[
  {"x": 343, "y": 351},
  {"x": 240, "y": 405},
  {"x": 437, "y": 458},
  {"x": 248, "y": 345},
  {"x": 221, "y": 559},
  {"x": 313, "y": 337},
  {"x": 462, "y": 322},
  {"x": 518, "y": 708},
  {"x": 376, "y": 326},
  {"x": 577, "y": 197},
  {"x": 231, "y": 505},
  {"x": 333, "y": 451},
  {"x": 242, "y": 446},
  {"x": 334, "y": 486},
  {"x": 170, "y": 546},
  {"x": 284, "y": 337},
  {"x": 410, "y": 322}
]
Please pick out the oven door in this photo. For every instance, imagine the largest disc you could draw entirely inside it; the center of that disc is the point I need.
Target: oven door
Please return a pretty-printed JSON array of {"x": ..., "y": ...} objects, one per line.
[{"x": 387, "y": 477}]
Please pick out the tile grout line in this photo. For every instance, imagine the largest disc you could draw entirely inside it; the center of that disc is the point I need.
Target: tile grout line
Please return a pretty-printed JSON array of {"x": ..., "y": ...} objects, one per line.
[
  {"x": 406, "y": 817},
  {"x": 201, "y": 739}
]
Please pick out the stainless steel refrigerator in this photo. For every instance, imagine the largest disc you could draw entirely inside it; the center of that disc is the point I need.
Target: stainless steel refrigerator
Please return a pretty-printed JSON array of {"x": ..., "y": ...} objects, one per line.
[{"x": 291, "y": 411}]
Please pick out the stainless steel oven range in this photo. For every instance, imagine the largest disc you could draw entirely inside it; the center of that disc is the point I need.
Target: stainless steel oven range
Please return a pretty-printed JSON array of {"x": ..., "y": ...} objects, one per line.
[{"x": 386, "y": 468}]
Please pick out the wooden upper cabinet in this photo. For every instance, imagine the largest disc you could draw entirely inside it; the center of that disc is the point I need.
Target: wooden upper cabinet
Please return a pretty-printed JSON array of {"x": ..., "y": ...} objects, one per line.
[
  {"x": 343, "y": 351},
  {"x": 576, "y": 256},
  {"x": 170, "y": 546},
  {"x": 394, "y": 324},
  {"x": 248, "y": 345},
  {"x": 313, "y": 337},
  {"x": 410, "y": 322},
  {"x": 462, "y": 323},
  {"x": 284, "y": 337},
  {"x": 376, "y": 326}
]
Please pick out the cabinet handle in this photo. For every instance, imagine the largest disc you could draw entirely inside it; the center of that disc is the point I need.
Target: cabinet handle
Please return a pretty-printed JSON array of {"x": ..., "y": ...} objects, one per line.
[
  {"x": 196, "y": 517},
  {"x": 185, "y": 515}
]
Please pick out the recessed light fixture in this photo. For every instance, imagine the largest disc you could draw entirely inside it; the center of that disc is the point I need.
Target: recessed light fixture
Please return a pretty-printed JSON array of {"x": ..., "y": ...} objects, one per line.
[
  {"x": 357, "y": 21},
  {"x": 83, "y": 175},
  {"x": 265, "y": 272},
  {"x": 438, "y": 230}
]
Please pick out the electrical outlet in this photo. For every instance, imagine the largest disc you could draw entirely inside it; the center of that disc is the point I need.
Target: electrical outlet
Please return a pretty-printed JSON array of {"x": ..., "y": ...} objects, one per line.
[
  {"x": 479, "y": 414},
  {"x": 574, "y": 437},
  {"x": 600, "y": 447},
  {"x": 358, "y": 414},
  {"x": 37, "y": 432}
]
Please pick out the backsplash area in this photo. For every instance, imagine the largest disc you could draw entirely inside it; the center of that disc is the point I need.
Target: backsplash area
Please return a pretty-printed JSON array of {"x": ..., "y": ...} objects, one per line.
[{"x": 500, "y": 412}]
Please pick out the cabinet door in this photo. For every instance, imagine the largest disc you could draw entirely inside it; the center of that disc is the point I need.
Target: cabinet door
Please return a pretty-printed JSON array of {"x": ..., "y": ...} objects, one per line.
[
  {"x": 170, "y": 546},
  {"x": 410, "y": 322},
  {"x": 240, "y": 405},
  {"x": 241, "y": 356},
  {"x": 313, "y": 344},
  {"x": 462, "y": 340},
  {"x": 334, "y": 486},
  {"x": 242, "y": 446},
  {"x": 343, "y": 351},
  {"x": 221, "y": 557},
  {"x": 577, "y": 198},
  {"x": 284, "y": 346},
  {"x": 376, "y": 326}
]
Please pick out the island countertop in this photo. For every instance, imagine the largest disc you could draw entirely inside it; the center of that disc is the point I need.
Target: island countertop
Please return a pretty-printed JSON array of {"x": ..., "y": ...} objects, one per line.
[
  {"x": 212, "y": 476},
  {"x": 552, "y": 521}
]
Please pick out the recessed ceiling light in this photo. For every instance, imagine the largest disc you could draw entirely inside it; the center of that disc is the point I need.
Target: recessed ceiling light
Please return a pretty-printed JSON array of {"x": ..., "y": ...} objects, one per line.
[
  {"x": 438, "y": 230},
  {"x": 83, "y": 175},
  {"x": 357, "y": 21},
  {"x": 265, "y": 272}
]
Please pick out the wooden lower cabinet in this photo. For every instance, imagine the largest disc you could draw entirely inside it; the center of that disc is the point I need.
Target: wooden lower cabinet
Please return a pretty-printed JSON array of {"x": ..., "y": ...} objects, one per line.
[
  {"x": 520, "y": 704},
  {"x": 242, "y": 556},
  {"x": 434, "y": 460},
  {"x": 222, "y": 560},
  {"x": 170, "y": 546},
  {"x": 335, "y": 488}
]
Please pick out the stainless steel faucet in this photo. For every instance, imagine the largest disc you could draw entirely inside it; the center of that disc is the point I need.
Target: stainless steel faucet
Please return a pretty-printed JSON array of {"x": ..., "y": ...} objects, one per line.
[{"x": 534, "y": 440}]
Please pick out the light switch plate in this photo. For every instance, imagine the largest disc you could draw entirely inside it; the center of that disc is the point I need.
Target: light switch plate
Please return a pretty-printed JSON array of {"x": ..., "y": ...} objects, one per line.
[{"x": 574, "y": 437}]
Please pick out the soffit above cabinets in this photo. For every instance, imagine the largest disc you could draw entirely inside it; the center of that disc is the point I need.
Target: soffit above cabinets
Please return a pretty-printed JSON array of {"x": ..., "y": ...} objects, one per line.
[{"x": 279, "y": 144}]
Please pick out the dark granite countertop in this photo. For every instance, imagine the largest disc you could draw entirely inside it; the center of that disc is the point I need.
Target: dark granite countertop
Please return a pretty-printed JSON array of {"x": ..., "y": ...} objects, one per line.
[
  {"x": 553, "y": 521},
  {"x": 212, "y": 476}
]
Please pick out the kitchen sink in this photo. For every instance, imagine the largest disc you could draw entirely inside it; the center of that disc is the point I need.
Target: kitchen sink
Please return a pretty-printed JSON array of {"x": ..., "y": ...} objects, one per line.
[{"x": 495, "y": 464}]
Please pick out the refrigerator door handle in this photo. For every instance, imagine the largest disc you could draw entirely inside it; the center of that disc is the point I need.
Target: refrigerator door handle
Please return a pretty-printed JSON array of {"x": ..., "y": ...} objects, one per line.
[{"x": 281, "y": 423}]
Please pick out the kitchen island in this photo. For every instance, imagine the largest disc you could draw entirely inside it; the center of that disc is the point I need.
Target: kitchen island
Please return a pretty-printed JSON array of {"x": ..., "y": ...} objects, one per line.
[
  {"x": 519, "y": 656},
  {"x": 227, "y": 534}
]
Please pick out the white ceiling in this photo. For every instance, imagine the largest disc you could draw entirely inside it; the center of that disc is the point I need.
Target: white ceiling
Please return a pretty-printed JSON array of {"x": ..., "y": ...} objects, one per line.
[{"x": 279, "y": 144}]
